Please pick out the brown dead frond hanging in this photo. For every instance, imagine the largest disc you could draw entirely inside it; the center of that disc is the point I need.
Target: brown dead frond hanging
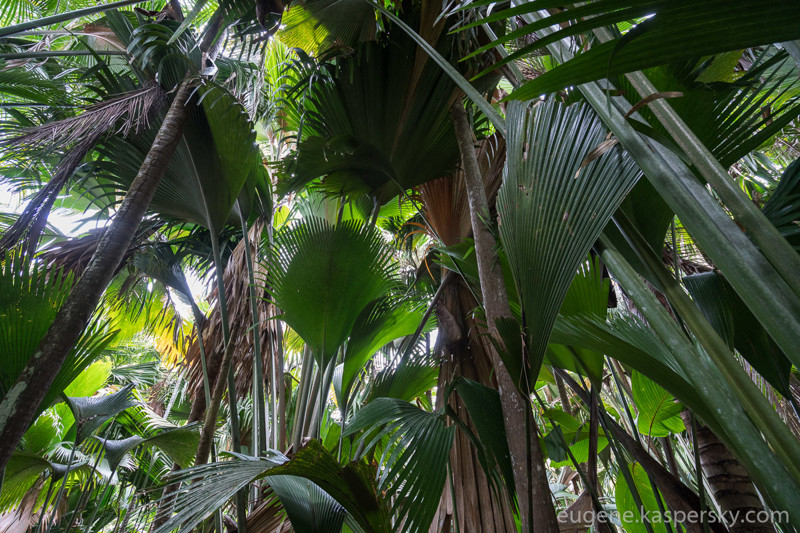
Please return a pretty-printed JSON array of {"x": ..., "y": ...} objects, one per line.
[{"x": 129, "y": 112}]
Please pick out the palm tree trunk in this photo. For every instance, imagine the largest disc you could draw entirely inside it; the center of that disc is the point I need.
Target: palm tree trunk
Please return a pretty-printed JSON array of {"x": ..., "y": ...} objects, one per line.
[
  {"x": 530, "y": 477},
  {"x": 731, "y": 486},
  {"x": 22, "y": 400},
  {"x": 471, "y": 502}
]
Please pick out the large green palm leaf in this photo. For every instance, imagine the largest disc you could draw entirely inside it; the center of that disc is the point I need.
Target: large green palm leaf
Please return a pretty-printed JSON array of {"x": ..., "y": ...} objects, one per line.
[
  {"x": 672, "y": 30},
  {"x": 414, "y": 461},
  {"x": 30, "y": 296},
  {"x": 214, "y": 160},
  {"x": 379, "y": 125},
  {"x": 378, "y": 324},
  {"x": 555, "y": 200},
  {"x": 324, "y": 276}
]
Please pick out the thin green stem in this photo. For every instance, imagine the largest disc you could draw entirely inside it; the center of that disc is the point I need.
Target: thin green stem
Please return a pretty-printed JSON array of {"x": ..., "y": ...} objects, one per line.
[
  {"x": 236, "y": 438},
  {"x": 64, "y": 17}
]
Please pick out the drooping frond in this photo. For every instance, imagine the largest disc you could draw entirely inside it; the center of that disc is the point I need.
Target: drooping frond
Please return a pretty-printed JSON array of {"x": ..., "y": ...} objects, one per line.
[{"x": 124, "y": 114}]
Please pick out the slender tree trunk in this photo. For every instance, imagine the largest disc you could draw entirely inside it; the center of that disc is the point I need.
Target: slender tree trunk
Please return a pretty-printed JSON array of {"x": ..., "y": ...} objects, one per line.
[
  {"x": 210, "y": 420},
  {"x": 731, "y": 486},
  {"x": 530, "y": 478},
  {"x": 22, "y": 400}
]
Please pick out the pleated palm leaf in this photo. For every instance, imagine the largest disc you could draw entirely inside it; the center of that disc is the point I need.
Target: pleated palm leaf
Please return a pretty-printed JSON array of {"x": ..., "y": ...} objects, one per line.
[
  {"x": 91, "y": 413},
  {"x": 205, "y": 488},
  {"x": 731, "y": 116},
  {"x": 178, "y": 443},
  {"x": 30, "y": 296},
  {"x": 214, "y": 160},
  {"x": 323, "y": 278},
  {"x": 413, "y": 462},
  {"x": 378, "y": 126},
  {"x": 563, "y": 181},
  {"x": 378, "y": 324},
  {"x": 24, "y": 469},
  {"x": 668, "y": 31},
  {"x": 738, "y": 328}
]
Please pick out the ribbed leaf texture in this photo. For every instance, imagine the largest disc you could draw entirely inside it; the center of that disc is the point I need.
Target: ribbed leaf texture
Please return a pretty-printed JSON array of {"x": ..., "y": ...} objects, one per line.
[
  {"x": 658, "y": 413},
  {"x": 378, "y": 126},
  {"x": 309, "y": 507},
  {"x": 316, "y": 25},
  {"x": 413, "y": 462},
  {"x": 30, "y": 296},
  {"x": 587, "y": 296},
  {"x": 553, "y": 205},
  {"x": 737, "y": 326},
  {"x": 91, "y": 413},
  {"x": 215, "y": 159},
  {"x": 783, "y": 206},
  {"x": 324, "y": 276},
  {"x": 207, "y": 488},
  {"x": 675, "y": 30},
  {"x": 634, "y": 344},
  {"x": 379, "y": 323},
  {"x": 116, "y": 449}
]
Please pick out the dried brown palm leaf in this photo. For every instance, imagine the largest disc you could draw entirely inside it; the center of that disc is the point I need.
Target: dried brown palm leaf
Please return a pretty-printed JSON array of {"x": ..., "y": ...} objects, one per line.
[
  {"x": 33, "y": 218},
  {"x": 128, "y": 113},
  {"x": 445, "y": 199},
  {"x": 268, "y": 517},
  {"x": 237, "y": 291},
  {"x": 123, "y": 114},
  {"x": 74, "y": 254}
]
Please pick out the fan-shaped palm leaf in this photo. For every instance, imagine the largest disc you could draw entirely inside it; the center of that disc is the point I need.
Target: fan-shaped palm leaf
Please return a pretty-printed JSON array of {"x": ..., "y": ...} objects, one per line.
[
  {"x": 379, "y": 126},
  {"x": 378, "y": 324},
  {"x": 412, "y": 377},
  {"x": 555, "y": 200},
  {"x": 414, "y": 462},
  {"x": 30, "y": 296},
  {"x": 324, "y": 276},
  {"x": 91, "y": 413},
  {"x": 673, "y": 31},
  {"x": 309, "y": 507},
  {"x": 214, "y": 159},
  {"x": 317, "y": 25}
]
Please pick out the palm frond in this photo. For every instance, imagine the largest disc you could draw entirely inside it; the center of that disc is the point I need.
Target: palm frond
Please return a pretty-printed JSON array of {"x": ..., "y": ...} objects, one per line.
[
  {"x": 308, "y": 506},
  {"x": 208, "y": 487},
  {"x": 91, "y": 413},
  {"x": 317, "y": 25},
  {"x": 672, "y": 31},
  {"x": 555, "y": 200},
  {"x": 30, "y": 296},
  {"x": 378, "y": 126},
  {"x": 414, "y": 463},
  {"x": 317, "y": 301},
  {"x": 378, "y": 324},
  {"x": 783, "y": 205},
  {"x": 737, "y": 326},
  {"x": 123, "y": 114}
]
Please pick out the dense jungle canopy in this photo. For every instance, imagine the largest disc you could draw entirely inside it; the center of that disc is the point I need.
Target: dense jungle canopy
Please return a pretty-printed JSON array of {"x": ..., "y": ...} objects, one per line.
[{"x": 377, "y": 266}]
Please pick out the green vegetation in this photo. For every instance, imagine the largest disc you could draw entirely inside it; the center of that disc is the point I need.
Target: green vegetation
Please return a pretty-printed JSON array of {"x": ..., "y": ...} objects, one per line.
[{"x": 338, "y": 265}]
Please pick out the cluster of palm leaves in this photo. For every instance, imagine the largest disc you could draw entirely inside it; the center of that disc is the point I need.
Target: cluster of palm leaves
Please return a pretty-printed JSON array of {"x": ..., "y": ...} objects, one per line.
[{"x": 352, "y": 266}]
